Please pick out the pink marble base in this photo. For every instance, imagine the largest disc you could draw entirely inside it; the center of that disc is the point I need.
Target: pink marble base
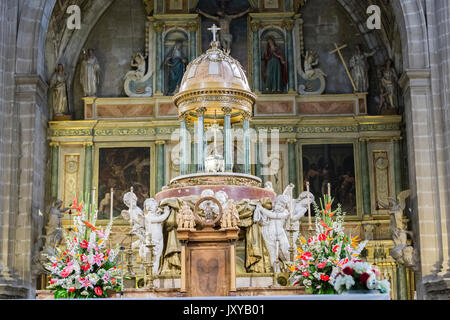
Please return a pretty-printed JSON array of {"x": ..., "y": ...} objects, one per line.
[{"x": 236, "y": 193}]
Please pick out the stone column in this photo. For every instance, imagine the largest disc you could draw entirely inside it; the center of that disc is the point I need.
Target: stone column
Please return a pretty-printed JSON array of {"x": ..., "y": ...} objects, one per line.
[
  {"x": 289, "y": 25},
  {"x": 256, "y": 76},
  {"x": 158, "y": 27},
  {"x": 292, "y": 144},
  {"x": 55, "y": 161},
  {"x": 246, "y": 125},
  {"x": 192, "y": 40},
  {"x": 87, "y": 194},
  {"x": 200, "y": 139},
  {"x": 227, "y": 140},
  {"x": 160, "y": 165},
  {"x": 397, "y": 165},
  {"x": 365, "y": 179},
  {"x": 183, "y": 146}
]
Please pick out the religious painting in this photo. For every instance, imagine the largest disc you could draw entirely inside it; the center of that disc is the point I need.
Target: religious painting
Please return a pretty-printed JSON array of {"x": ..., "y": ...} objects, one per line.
[
  {"x": 331, "y": 168},
  {"x": 120, "y": 169},
  {"x": 274, "y": 65},
  {"x": 175, "y": 60},
  {"x": 271, "y": 5}
]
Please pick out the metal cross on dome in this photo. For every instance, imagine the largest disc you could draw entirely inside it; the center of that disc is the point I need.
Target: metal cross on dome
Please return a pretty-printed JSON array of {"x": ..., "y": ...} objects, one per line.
[{"x": 214, "y": 29}]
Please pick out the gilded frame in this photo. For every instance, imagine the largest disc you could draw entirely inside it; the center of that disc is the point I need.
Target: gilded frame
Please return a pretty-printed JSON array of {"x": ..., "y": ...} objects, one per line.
[
  {"x": 125, "y": 144},
  {"x": 356, "y": 156}
]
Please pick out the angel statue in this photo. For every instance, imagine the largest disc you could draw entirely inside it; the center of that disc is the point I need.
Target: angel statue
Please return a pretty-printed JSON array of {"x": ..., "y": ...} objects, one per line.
[
  {"x": 209, "y": 208},
  {"x": 299, "y": 208},
  {"x": 154, "y": 219},
  {"x": 135, "y": 216},
  {"x": 313, "y": 77},
  {"x": 138, "y": 62},
  {"x": 311, "y": 61},
  {"x": 274, "y": 235},
  {"x": 403, "y": 253}
]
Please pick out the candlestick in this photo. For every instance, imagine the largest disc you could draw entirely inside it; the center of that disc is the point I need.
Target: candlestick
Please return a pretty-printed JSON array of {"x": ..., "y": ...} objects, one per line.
[{"x": 112, "y": 205}]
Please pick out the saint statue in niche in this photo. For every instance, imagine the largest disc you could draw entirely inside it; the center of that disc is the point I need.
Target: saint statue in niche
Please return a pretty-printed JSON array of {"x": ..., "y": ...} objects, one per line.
[
  {"x": 388, "y": 83},
  {"x": 90, "y": 73},
  {"x": 224, "y": 20},
  {"x": 59, "y": 91},
  {"x": 176, "y": 62},
  {"x": 275, "y": 74}
]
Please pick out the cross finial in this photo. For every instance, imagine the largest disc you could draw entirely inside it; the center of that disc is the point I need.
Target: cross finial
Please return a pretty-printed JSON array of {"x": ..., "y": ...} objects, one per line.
[{"x": 214, "y": 29}]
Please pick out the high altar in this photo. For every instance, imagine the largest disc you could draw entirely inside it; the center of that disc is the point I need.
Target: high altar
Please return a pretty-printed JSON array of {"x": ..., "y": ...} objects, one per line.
[{"x": 247, "y": 123}]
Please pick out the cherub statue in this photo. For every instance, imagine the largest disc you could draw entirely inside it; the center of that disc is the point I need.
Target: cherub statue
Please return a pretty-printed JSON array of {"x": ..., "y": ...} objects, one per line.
[
  {"x": 403, "y": 253},
  {"x": 311, "y": 61},
  {"x": 154, "y": 219},
  {"x": 135, "y": 216},
  {"x": 299, "y": 208},
  {"x": 138, "y": 62},
  {"x": 272, "y": 222}
]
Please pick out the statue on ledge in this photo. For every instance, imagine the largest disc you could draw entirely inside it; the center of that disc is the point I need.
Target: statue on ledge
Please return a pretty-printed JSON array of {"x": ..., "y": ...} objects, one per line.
[
  {"x": 58, "y": 89},
  {"x": 275, "y": 71},
  {"x": 138, "y": 62},
  {"x": 359, "y": 69},
  {"x": 388, "y": 83},
  {"x": 90, "y": 73}
]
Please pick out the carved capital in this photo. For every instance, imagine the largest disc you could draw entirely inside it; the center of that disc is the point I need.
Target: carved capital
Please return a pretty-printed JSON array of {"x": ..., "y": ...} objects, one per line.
[
  {"x": 158, "y": 26},
  {"x": 246, "y": 115},
  {"x": 200, "y": 111},
  {"x": 227, "y": 111},
  {"x": 255, "y": 25},
  {"x": 192, "y": 26},
  {"x": 160, "y": 142},
  {"x": 183, "y": 117},
  {"x": 54, "y": 144},
  {"x": 288, "y": 24},
  {"x": 291, "y": 140},
  {"x": 395, "y": 139}
]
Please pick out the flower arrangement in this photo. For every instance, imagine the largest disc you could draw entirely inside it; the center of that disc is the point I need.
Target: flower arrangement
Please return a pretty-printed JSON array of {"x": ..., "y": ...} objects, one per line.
[
  {"x": 359, "y": 275},
  {"x": 85, "y": 268},
  {"x": 322, "y": 257}
]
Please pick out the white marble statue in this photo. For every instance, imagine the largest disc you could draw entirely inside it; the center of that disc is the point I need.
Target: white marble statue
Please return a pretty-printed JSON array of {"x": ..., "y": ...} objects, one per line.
[
  {"x": 138, "y": 62},
  {"x": 310, "y": 64},
  {"x": 272, "y": 225},
  {"x": 58, "y": 89},
  {"x": 359, "y": 69},
  {"x": 154, "y": 220},
  {"x": 300, "y": 207},
  {"x": 90, "y": 74},
  {"x": 135, "y": 216},
  {"x": 269, "y": 186}
]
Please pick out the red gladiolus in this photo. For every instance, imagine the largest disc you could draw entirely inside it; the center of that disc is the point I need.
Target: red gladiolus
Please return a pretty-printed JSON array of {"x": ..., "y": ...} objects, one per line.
[
  {"x": 348, "y": 271},
  {"x": 310, "y": 240},
  {"x": 306, "y": 256},
  {"x": 98, "y": 291},
  {"x": 363, "y": 277},
  {"x": 305, "y": 274},
  {"x": 85, "y": 267},
  {"x": 335, "y": 248},
  {"x": 72, "y": 289},
  {"x": 84, "y": 244},
  {"x": 321, "y": 265},
  {"x": 324, "y": 277},
  {"x": 322, "y": 237}
]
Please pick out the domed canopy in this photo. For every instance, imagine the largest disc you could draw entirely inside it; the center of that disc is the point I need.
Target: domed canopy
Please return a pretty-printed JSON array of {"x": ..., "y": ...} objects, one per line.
[{"x": 214, "y": 84}]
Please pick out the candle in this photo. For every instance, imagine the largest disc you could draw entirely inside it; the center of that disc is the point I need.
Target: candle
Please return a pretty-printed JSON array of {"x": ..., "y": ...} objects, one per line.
[
  {"x": 329, "y": 190},
  {"x": 112, "y": 205},
  {"x": 131, "y": 205},
  {"x": 292, "y": 213},
  {"x": 309, "y": 204},
  {"x": 93, "y": 197}
]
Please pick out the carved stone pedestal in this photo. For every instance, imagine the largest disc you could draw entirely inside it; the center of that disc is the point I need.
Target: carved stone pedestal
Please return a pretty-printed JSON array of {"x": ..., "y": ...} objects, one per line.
[{"x": 208, "y": 262}]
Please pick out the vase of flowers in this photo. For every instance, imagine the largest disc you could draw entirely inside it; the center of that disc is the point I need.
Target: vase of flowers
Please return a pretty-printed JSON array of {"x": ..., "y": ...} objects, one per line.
[
  {"x": 84, "y": 267},
  {"x": 360, "y": 277},
  {"x": 323, "y": 256}
]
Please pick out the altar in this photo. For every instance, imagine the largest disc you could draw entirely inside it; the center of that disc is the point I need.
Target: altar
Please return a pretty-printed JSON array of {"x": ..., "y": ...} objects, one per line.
[{"x": 189, "y": 101}]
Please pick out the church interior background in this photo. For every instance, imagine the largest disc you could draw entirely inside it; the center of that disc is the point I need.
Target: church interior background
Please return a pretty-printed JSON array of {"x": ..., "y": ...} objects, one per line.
[{"x": 363, "y": 112}]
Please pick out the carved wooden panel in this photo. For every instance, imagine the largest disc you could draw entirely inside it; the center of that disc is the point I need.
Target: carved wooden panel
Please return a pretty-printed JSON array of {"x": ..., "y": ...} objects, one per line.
[
  {"x": 208, "y": 268},
  {"x": 71, "y": 177},
  {"x": 381, "y": 175}
]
